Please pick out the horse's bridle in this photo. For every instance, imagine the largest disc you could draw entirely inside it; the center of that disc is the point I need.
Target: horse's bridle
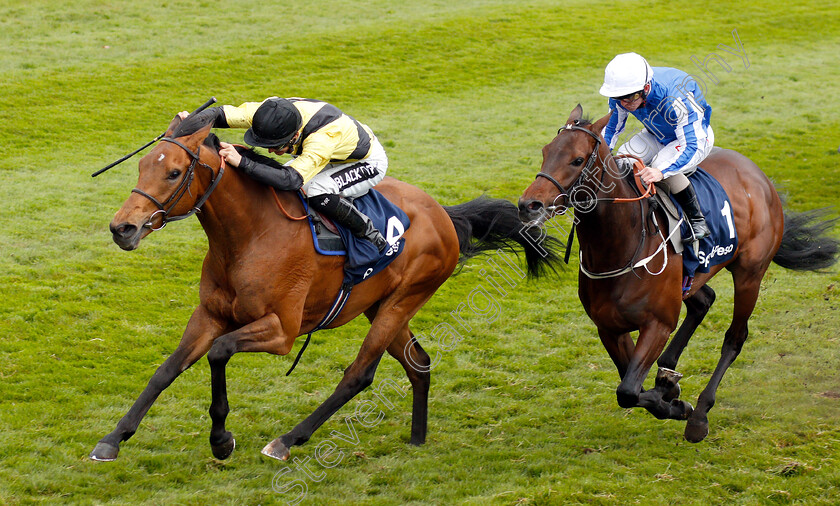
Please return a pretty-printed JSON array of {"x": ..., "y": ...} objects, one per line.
[
  {"x": 182, "y": 189},
  {"x": 589, "y": 163},
  {"x": 632, "y": 264}
]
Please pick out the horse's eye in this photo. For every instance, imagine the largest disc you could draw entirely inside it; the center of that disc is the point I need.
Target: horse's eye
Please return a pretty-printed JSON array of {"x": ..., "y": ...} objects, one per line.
[
  {"x": 173, "y": 175},
  {"x": 577, "y": 161}
]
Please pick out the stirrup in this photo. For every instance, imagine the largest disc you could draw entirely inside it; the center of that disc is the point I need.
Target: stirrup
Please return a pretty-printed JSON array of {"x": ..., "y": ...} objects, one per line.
[
  {"x": 694, "y": 236},
  {"x": 375, "y": 236}
]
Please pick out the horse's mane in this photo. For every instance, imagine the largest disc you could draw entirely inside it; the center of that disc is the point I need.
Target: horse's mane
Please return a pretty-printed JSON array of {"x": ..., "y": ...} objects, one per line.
[
  {"x": 194, "y": 123},
  {"x": 252, "y": 155}
]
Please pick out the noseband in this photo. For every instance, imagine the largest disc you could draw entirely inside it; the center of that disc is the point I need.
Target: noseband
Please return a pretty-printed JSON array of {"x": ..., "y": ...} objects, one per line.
[
  {"x": 589, "y": 163},
  {"x": 182, "y": 189},
  {"x": 632, "y": 264}
]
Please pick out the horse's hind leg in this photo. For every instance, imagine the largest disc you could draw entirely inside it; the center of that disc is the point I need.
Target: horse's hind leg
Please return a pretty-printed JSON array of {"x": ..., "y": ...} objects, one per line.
[
  {"x": 633, "y": 363},
  {"x": 386, "y": 327},
  {"x": 747, "y": 286},
  {"x": 358, "y": 376},
  {"x": 417, "y": 365},
  {"x": 697, "y": 306}
]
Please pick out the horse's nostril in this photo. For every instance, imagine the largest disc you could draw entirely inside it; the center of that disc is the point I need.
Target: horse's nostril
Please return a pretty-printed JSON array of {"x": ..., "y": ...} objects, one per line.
[
  {"x": 528, "y": 209},
  {"x": 123, "y": 229}
]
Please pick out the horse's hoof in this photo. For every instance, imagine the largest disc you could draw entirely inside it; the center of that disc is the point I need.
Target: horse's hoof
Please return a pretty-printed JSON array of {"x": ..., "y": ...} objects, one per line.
[
  {"x": 668, "y": 376},
  {"x": 668, "y": 380},
  {"x": 223, "y": 451},
  {"x": 276, "y": 450},
  {"x": 672, "y": 394},
  {"x": 696, "y": 431},
  {"x": 684, "y": 408},
  {"x": 104, "y": 452}
]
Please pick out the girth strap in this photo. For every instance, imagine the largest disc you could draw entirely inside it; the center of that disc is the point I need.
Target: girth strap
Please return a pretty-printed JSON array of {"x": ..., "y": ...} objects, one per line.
[{"x": 331, "y": 315}]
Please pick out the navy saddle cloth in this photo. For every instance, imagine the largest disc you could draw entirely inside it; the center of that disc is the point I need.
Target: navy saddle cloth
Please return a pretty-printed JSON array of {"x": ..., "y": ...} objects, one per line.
[
  {"x": 363, "y": 259},
  {"x": 721, "y": 245}
]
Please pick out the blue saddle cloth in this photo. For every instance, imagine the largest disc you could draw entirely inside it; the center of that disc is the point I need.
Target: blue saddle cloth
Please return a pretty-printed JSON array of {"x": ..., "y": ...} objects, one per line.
[
  {"x": 721, "y": 245},
  {"x": 363, "y": 259}
]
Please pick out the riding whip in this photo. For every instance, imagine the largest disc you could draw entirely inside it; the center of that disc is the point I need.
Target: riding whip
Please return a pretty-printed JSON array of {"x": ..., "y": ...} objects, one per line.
[{"x": 126, "y": 157}]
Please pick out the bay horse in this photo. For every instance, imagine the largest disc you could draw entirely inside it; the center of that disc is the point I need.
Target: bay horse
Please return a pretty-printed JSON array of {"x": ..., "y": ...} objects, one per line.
[
  {"x": 262, "y": 283},
  {"x": 615, "y": 230}
]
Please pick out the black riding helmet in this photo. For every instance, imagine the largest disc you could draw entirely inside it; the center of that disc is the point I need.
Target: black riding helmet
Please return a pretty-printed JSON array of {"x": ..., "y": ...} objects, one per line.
[{"x": 274, "y": 124}]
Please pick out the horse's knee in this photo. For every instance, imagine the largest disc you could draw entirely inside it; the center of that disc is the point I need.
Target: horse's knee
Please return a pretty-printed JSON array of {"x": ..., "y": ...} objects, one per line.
[
  {"x": 220, "y": 352},
  {"x": 421, "y": 353},
  {"x": 710, "y": 296}
]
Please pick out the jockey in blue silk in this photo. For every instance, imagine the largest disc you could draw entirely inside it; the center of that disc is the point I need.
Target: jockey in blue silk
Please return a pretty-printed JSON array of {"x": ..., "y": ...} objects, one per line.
[
  {"x": 676, "y": 135},
  {"x": 334, "y": 157}
]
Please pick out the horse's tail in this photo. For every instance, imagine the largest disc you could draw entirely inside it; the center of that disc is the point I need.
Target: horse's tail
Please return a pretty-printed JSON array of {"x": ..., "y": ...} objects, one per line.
[
  {"x": 805, "y": 247},
  {"x": 486, "y": 224}
]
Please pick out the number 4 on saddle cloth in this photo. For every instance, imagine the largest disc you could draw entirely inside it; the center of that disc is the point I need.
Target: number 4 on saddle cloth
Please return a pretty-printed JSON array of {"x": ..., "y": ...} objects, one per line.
[
  {"x": 363, "y": 258},
  {"x": 717, "y": 248}
]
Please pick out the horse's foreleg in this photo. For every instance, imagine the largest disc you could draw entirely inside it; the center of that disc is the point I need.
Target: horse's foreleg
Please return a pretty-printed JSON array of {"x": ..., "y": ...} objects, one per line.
[
  {"x": 652, "y": 339},
  {"x": 195, "y": 342},
  {"x": 746, "y": 294},
  {"x": 620, "y": 348},
  {"x": 265, "y": 334}
]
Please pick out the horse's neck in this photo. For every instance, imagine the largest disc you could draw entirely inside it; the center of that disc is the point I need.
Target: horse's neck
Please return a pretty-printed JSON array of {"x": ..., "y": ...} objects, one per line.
[
  {"x": 241, "y": 209},
  {"x": 610, "y": 232}
]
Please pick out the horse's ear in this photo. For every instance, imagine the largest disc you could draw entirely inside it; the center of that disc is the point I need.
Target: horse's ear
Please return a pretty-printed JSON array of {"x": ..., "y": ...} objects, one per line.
[
  {"x": 194, "y": 140},
  {"x": 172, "y": 126},
  {"x": 599, "y": 125},
  {"x": 577, "y": 113}
]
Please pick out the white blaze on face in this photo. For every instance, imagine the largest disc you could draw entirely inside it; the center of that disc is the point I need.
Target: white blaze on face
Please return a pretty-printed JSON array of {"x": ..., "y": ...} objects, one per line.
[{"x": 162, "y": 156}]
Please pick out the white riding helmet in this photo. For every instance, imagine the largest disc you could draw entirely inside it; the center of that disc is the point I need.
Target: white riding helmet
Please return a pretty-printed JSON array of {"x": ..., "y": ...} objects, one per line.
[{"x": 627, "y": 73}]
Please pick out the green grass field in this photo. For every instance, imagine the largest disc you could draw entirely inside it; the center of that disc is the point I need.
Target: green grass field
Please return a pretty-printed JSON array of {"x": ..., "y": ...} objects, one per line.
[{"x": 464, "y": 95}]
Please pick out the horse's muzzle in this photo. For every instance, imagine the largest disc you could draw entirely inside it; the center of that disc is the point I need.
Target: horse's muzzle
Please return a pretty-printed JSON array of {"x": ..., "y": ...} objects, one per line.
[
  {"x": 531, "y": 210},
  {"x": 126, "y": 235}
]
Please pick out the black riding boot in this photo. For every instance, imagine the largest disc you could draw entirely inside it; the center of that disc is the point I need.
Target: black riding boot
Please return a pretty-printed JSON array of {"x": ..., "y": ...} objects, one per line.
[
  {"x": 343, "y": 212},
  {"x": 688, "y": 200}
]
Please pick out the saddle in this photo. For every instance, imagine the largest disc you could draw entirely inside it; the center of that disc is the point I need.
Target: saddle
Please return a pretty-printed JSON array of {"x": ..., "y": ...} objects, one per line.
[
  {"x": 325, "y": 232},
  {"x": 661, "y": 198},
  {"x": 363, "y": 259},
  {"x": 720, "y": 246}
]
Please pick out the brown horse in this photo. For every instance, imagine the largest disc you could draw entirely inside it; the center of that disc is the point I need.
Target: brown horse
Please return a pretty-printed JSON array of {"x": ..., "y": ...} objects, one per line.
[
  {"x": 262, "y": 284},
  {"x": 613, "y": 234}
]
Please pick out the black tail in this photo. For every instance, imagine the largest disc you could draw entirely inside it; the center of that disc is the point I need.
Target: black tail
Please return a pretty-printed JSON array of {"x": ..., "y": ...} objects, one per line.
[
  {"x": 485, "y": 224},
  {"x": 805, "y": 247}
]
